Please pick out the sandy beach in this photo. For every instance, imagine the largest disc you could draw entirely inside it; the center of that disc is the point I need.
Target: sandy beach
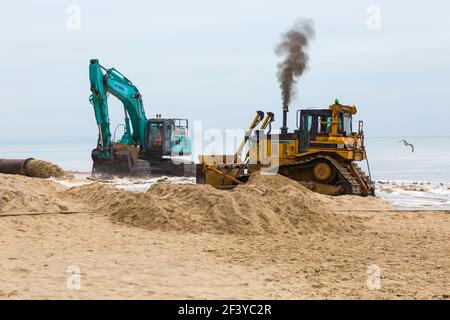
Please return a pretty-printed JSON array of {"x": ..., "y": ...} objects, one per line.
[{"x": 240, "y": 244}]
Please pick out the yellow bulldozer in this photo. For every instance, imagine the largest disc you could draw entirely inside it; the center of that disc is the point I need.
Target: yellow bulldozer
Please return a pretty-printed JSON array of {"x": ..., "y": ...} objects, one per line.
[{"x": 321, "y": 153}]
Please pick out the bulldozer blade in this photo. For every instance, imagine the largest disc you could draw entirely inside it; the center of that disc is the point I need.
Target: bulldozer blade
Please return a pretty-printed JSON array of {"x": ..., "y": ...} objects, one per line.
[
  {"x": 220, "y": 171},
  {"x": 219, "y": 176}
]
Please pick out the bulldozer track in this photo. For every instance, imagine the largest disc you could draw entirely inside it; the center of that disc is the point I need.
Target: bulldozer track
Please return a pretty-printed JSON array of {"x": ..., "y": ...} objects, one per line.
[
  {"x": 343, "y": 170},
  {"x": 346, "y": 173}
]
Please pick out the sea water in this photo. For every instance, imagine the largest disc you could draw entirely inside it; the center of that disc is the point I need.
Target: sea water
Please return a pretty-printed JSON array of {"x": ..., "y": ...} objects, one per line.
[
  {"x": 407, "y": 179},
  {"x": 390, "y": 159},
  {"x": 73, "y": 155}
]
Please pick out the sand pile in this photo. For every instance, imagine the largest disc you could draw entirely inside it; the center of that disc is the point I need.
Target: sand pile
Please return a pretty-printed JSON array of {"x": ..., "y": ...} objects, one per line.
[
  {"x": 266, "y": 204},
  {"x": 19, "y": 194},
  {"x": 96, "y": 195},
  {"x": 44, "y": 169}
]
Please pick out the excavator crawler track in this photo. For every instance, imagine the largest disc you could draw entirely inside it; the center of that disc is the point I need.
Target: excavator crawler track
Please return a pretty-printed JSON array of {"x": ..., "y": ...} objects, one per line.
[
  {"x": 145, "y": 168},
  {"x": 123, "y": 164}
]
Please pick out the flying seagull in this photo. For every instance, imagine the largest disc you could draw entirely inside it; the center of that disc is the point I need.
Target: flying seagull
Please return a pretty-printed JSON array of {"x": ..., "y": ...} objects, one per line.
[{"x": 406, "y": 143}]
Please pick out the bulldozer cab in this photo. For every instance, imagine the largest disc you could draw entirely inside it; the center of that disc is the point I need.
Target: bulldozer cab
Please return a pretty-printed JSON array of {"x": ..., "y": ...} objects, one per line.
[
  {"x": 311, "y": 123},
  {"x": 325, "y": 122},
  {"x": 315, "y": 122},
  {"x": 167, "y": 137}
]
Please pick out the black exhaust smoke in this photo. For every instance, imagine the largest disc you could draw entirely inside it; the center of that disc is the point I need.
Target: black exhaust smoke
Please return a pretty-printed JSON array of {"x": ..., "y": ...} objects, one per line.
[{"x": 292, "y": 47}]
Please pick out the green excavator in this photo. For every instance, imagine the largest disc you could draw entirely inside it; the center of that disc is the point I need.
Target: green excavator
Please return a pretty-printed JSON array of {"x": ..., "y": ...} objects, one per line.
[{"x": 147, "y": 146}]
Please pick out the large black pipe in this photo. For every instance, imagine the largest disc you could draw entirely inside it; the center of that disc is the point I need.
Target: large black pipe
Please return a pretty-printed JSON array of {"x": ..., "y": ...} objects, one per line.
[{"x": 14, "y": 166}]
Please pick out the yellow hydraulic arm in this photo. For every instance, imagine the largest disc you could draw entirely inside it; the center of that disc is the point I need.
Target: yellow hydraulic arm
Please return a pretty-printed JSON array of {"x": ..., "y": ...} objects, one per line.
[
  {"x": 256, "y": 120},
  {"x": 270, "y": 117}
]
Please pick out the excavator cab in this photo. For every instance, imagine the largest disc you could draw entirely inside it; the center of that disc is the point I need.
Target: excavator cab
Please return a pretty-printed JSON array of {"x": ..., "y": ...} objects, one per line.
[
  {"x": 167, "y": 137},
  {"x": 182, "y": 144}
]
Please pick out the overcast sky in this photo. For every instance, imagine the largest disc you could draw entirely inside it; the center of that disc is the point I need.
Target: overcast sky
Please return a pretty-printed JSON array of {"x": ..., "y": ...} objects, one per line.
[{"x": 214, "y": 61}]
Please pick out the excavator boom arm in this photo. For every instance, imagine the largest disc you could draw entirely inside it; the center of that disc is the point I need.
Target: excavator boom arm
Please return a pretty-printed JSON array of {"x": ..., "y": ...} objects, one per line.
[
  {"x": 99, "y": 101},
  {"x": 112, "y": 81}
]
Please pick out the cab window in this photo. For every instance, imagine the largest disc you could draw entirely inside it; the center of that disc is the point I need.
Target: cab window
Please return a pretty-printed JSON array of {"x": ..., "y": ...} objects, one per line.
[
  {"x": 307, "y": 124},
  {"x": 345, "y": 123},
  {"x": 324, "y": 124},
  {"x": 156, "y": 135}
]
